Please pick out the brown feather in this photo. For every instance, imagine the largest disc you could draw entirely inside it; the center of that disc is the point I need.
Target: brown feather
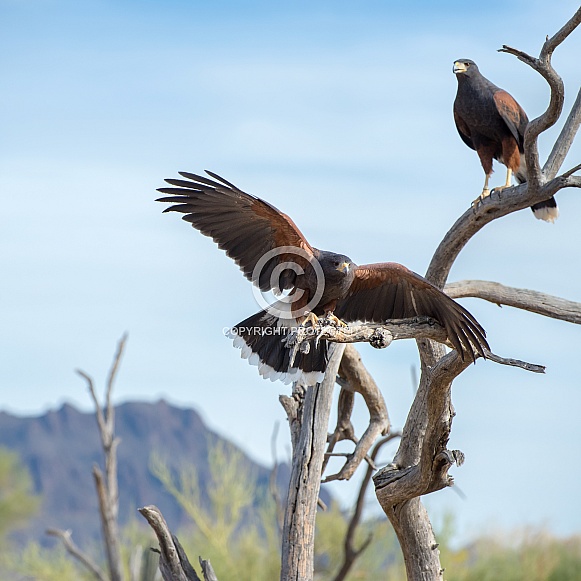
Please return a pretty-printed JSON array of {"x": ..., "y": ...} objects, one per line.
[
  {"x": 244, "y": 226},
  {"x": 385, "y": 291}
]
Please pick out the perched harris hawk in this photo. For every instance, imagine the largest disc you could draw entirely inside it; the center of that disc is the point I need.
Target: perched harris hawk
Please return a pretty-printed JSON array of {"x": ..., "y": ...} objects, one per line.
[
  {"x": 273, "y": 254},
  {"x": 491, "y": 122}
]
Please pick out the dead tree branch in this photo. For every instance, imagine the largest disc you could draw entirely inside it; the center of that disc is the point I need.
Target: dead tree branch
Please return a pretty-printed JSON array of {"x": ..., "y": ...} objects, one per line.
[
  {"x": 350, "y": 552},
  {"x": 557, "y": 97},
  {"x": 528, "y": 300},
  {"x": 77, "y": 553},
  {"x": 357, "y": 379},
  {"x": 532, "y": 367},
  {"x": 106, "y": 486},
  {"x": 173, "y": 561},
  {"x": 564, "y": 141},
  {"x": 309, "y": 418},
  {"x": 377, "y": 335}
]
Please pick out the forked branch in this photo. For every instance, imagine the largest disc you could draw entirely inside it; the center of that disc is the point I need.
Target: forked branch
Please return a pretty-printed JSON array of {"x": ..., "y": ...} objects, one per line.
[
  {"x": 106, "y": 485},
  {"x": 355, "y": 378},
  {"x": 557, "y": 97},
  {"x": 538, "y": 188},
  {"x": 173, "y": 561}
]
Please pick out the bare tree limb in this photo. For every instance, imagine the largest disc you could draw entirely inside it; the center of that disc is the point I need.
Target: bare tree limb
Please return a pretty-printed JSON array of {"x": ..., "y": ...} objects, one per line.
[
  {"x": 350, "y": 553},
  {"x": 207, "y": 569},
  {"x": 572, "y": 171},
  {"x": 533, "y": 367},
  {"x": 557, "y": 97},
  {"x": 173, "y": 561},
  {"x": 528, "y": 300},
  {"x": 107, "y": 486},
  {"x": 497, "y": 205},
  {"x": 312, "y": 417},
  {"x": 73, "y": 550},
  {"x": 377, "y": 335},
  {"x": 344, "y": 429},
  {"x": 359, "y": 380},
  {"x": 564, "y": 141},
  {"x": 111, "y": 457},
  {"x": 109, "y": 526}
]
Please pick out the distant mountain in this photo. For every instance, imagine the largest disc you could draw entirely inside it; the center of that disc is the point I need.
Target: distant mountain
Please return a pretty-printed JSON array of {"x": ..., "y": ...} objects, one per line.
[{"x": 60, "y": 448}]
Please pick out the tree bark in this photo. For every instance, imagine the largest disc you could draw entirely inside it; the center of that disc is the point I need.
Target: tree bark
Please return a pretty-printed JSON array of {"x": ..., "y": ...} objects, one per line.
[
  {"x": 312, "y": 416},
  {"x": 173, "y": 561}
]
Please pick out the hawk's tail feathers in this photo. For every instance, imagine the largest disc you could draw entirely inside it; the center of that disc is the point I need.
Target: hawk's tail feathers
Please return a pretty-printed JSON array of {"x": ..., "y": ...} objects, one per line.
[
  {"x": 547, "y": 210},
  {"x": 262, "y": 339}
]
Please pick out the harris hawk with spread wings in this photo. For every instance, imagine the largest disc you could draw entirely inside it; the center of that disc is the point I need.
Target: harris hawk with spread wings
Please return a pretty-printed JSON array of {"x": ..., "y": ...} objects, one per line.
[
  {"x": 490, "y": 121},
  {"x": 273, "y": 254}
]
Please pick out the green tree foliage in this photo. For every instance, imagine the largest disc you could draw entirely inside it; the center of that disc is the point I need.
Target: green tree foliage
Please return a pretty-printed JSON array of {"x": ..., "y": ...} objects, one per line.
[
  {"x": 381, "y": 559},
  {"x": 526, "y": 556},
  {"x": 41, "y": 564},
  {"x": 236, "y": 528},
  {"x": 17, "y": 500}
]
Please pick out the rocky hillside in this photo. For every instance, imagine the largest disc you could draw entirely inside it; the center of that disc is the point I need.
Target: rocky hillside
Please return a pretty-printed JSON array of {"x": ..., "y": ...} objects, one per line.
[{"x": 60, "y": 448}]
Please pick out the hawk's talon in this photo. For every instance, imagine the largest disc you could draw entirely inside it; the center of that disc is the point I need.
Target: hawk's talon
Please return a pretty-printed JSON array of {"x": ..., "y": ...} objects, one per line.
[
  {"x": 499, "y": 189},
  {"x": 485, "y": 193},
  {"x": 310, "y": 318},
  {"x": 336, "y": 320}
]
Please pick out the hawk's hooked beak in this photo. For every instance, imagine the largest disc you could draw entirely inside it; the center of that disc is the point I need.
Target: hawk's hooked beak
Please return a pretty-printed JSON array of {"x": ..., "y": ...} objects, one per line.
[
  {"x": 459, "y": 67},
  {"x": 344, "y": 267}
]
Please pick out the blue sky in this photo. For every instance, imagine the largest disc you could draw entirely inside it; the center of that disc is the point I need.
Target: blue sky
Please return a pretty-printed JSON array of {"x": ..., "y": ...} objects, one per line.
[{"x": 340, "y": 115}]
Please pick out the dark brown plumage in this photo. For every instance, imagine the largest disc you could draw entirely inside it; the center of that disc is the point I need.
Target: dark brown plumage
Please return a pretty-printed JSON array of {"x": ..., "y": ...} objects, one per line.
[
  {"x": 490, "y": 121},
  {"x": 265, "y": 243}
]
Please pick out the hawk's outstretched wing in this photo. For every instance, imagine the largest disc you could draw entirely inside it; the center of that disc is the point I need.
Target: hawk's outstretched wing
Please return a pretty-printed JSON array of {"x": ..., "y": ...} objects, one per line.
[
  {"x": 388, "y": 290},
  {"x": 246, "y": 227}
]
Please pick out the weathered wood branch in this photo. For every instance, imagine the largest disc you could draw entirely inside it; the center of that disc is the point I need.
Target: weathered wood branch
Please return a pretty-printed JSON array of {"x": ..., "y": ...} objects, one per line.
[
  {"x": 111, "y": 457},
  {"x": 532, "y": 367},
  {"x": 344, "y": 428},
  {"x": 350, "y": 552},
  {"x": 378, "y": 335},
  {"x": 311, "y": 418},
  {"x": 357, "y": 379},
  {"x": 419, "y": 328},
  {"x": 417, "y": 467},
  {"x": 421, "y": 465},
  {"x": 564, "y": 141},
  {"x": 109, "y": 525},
  {"x": 173, "y": 561},
  {"x": 528, "y": 300},
  {"x": 557, "y": 97},
  {"x": 107, "y": 486},
  {"x": 77, "y": 553},
  {"x": 495, "y": 206}
]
